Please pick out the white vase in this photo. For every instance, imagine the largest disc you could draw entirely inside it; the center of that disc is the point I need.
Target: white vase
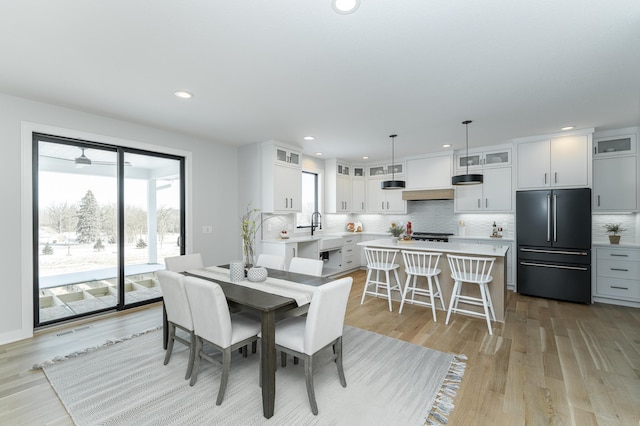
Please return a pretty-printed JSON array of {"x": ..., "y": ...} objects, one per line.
[{"x": 257, "y": 274}]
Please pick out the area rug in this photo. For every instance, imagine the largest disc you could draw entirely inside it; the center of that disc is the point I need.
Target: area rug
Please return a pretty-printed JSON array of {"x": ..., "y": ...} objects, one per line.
[{"x": 389, "y": 382}]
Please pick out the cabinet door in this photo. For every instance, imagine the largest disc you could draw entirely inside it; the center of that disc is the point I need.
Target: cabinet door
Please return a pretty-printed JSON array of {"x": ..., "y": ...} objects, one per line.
[
  {"x": 358, "y": 195},
  {"x": 287, "y": 191},
  {"x": 615, "y": 184},
  {"x": 468, "y": 198},
  {"x": 375, "y": 196},
  {"x": 570, "y": 161},
  {"x": 429, "y": 173},
  {"x": 394, "y": 202},
  {"x": 496, "y": 189},
  {"x": 343, "y": 193},
  {"x": 534, "y": 164}
]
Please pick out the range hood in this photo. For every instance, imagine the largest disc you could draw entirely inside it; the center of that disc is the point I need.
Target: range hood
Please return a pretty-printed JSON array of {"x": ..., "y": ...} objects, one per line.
[{"x": 428, "y": 194}]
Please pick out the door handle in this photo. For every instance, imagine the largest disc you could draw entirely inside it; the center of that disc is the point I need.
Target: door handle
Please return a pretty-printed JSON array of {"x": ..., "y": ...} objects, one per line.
[
  {"x": 286, "y": 203},
  {"x": 478, "y": 202},
  {"x": 486, "y": 203},
  {"x": 574, "y": 253},
  {"x": 619, "y": 269},
  {"x": 620, "y": 288},
  {"x": 555, "y": 218},
  {"x": 555, "y": 179},
  {"x": 544, "y": 265},
  {"x": 548, "y": 214},
  {"x": 619, "y": 255},
  {"x": 598, "y": 201},
  {"x": 545, "y": 178}
]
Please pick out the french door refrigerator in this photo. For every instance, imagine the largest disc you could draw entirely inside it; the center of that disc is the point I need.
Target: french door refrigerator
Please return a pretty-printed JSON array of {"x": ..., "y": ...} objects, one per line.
[{"x": 553, "y": 234}]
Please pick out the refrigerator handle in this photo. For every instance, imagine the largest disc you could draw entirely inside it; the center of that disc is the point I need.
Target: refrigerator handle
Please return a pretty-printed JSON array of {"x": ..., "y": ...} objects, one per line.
[
  {"x": 548, "y": 217},
  {"x": 555, "y": 218}
]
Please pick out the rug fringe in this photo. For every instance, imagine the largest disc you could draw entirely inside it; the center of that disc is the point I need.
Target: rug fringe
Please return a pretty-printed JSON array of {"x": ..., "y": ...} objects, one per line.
[
  {"x": 109, "y": 342},
  {"x": 443, "y": 404}
]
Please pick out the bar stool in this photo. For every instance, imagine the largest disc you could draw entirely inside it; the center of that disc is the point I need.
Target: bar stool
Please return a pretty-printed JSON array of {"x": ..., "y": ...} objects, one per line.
[
  {"x": 422, "y": 264},
  {"x": 381, "y": 260},
  {"x": 474, "y": 270}
]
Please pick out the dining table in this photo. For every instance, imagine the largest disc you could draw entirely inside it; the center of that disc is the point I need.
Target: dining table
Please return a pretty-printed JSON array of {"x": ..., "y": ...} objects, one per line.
[{"x": 268, "y": 307}]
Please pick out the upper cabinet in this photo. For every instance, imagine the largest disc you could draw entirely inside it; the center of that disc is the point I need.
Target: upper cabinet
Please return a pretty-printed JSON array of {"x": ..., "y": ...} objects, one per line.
[
  {"x": 495, "y": 194},
  {"x": 281, "y": 178},
  {"x": 429, "y": 171},
  {"x": 482, "y": 159},
  {"x": 555, "y": 162},
  {"x": 615, "y": 171},
  {"x": 337, "y": 186},
  {"x": 358, "y": 190}
]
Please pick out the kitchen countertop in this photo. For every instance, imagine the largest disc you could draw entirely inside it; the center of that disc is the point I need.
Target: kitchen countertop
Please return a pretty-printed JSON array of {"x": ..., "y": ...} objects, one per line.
[
  {"x": 308, "y": 238},
  {"x": 458, "y": 248},
  {"x": 470, "y": 237}
]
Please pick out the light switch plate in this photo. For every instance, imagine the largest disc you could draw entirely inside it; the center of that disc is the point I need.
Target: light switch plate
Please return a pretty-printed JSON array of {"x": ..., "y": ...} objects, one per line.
[{"x": 207, "y": 229}]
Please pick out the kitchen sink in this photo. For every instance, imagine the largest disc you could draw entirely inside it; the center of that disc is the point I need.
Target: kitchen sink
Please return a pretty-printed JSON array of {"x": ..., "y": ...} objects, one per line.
[{"x": 330, "y": 243}]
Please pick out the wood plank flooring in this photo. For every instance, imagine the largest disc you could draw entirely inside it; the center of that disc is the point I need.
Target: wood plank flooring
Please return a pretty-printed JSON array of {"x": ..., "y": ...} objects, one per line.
[{"x": 550, "y": 363}]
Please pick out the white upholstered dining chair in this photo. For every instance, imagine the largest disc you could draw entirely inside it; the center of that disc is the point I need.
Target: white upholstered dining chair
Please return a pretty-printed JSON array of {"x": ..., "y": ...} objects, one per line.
[
  {"x": 271, "y": 261},
  {"x": 303, "y": 265},
  {"x": 213, "y": 322},
  {"x": 304, "y": 337},
  {"x": 184, "y": 262},
  {"x": 178, "y": 314}
]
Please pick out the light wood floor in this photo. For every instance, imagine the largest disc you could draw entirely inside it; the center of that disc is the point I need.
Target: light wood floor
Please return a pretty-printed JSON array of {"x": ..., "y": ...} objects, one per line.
[{"x": 549, "y": 363}]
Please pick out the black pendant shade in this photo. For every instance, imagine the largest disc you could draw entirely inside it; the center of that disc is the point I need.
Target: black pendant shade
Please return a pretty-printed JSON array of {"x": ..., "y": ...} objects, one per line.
[
  {"x": 393, "y": 183},
  {"x": 467, "y": 179}
]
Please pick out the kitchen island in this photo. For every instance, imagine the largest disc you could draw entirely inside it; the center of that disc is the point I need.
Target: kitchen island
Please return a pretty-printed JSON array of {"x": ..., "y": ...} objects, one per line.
[{"x": 497, "y": 287}]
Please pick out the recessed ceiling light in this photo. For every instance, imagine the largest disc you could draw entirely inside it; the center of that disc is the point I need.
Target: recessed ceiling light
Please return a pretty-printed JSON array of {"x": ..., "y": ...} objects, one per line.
[
  {"x": 308, "y": 138},
  {"x": 446, "y": 145},
  {"x": 345, "y": 7},
  {"x": 318, "y": 153},
  {"x": 183, "y": 94},
  {"x": 569, "y": 128},
  {"x": 365, "y": 158}
]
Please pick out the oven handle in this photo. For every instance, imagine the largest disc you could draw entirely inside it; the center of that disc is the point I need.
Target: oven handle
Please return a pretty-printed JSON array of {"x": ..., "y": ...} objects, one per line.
[
  {"x": 544, "y": 265},
  {"x": 575, "y": 253}
]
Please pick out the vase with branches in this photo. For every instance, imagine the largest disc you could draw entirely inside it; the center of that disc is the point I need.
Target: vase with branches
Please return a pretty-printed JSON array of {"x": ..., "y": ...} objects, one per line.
[
  {"x": 249, "y": 225},
  {"x": 396, "y": 230}
]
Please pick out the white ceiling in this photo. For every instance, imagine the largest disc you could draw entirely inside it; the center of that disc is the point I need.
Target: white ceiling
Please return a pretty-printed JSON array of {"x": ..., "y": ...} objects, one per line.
[{"x": 284, "y": 69}]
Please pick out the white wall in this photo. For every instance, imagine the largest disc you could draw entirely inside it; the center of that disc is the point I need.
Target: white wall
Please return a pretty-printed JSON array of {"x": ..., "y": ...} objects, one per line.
[{"x": 212, "y": 194}]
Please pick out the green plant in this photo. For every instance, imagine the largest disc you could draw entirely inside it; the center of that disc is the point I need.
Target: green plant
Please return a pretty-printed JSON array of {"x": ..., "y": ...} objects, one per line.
[
  {"x": 614, "y": 228},
  {"x": 396, "y": 230}
]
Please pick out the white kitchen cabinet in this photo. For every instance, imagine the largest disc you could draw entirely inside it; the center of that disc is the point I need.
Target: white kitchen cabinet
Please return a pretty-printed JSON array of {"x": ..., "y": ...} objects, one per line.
[
  {"x": 351, "y": 252},
  {"x": 617, "y": 275},
  {"x": 614, "y": 145},
  {"x": 358, "y": 194},
  {"x": 493, "y": 195},
  {"x": 288, "y": 250},
  {"x": 615, "y": 184},
  {"x": 557, "y": 162},
  {"x": 384, "y": 200},
  {"x": 429, "y": 172},
  {"x": 281, "y": 179},
  {"x": 337, "y": 186},
  {"x": 478, "y": 159}
]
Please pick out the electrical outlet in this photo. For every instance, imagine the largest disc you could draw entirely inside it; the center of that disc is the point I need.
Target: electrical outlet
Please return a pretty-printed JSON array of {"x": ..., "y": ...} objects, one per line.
[{"x": 207, "y": 229}]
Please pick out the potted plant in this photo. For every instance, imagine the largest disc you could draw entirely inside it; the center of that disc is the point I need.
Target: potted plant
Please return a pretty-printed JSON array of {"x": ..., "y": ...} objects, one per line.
[
  {"x": 396, "y": 230},
  {"x": 614, "y": 229}
]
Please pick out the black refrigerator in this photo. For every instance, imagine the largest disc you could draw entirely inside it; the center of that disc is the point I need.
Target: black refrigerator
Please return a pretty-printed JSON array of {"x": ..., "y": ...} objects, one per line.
[{"x": 553, "y": 234}]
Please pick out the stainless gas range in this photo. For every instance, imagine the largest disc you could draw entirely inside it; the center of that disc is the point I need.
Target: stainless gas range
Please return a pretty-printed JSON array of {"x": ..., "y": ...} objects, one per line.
[{"x": 431, "y": 236}]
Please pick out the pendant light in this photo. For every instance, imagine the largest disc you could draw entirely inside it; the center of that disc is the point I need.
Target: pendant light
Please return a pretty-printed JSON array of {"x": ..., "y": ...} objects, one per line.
[
  {"x": 467, "y": 179},
  {"x": 393, "y": 183}
]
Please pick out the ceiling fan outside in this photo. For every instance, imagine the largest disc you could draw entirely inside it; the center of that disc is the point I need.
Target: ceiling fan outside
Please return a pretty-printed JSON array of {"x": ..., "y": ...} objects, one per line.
[{"x": 84, "y": 161}]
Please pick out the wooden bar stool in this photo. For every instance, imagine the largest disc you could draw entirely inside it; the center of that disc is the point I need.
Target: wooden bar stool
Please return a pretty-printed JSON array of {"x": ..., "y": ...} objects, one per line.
[
  {"x": 422, "y": 264},
  {"x": 474, "y": 270},
  {"x": 381, "y": 260}
]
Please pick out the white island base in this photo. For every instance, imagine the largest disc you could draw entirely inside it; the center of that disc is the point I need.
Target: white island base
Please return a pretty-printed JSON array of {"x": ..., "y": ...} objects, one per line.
[{"x": 497, "y": 287}]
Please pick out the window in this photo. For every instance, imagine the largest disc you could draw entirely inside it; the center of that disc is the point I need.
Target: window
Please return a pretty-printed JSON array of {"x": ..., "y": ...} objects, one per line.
[{"x": 309, "y": 199}]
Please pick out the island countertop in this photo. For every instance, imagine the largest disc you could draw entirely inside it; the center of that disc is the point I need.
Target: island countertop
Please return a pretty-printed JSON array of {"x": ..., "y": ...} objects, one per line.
[
  {"x": 457, "y": 248},
  {"x": 497, "y": 287}
]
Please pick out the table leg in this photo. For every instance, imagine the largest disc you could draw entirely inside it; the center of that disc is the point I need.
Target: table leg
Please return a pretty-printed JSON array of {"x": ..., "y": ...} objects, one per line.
[{"x": 268, "y": 360}]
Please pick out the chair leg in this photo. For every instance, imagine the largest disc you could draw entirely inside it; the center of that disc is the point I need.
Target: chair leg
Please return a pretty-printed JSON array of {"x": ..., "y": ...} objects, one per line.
[
  {"x": 453, "y": 299},
  {"x": 433, "y": 302},
  {"x": 366, "y": 285},
  {"x": 404, "y": 293},
  {"x": 441, "y": 296},
  {"x": 192, "y": 354},
  {"x": 226, "y": 365},
  {"x": 172, "y": 338},
  {"x": 386, "y": 273},
  {"x": 338, "y": 351},
  {"x": 308, "y": 373},
  {"x": 196, "y": 366},
  {"x": 490, "y": 302},
  {"x": 486, "y": 308}
]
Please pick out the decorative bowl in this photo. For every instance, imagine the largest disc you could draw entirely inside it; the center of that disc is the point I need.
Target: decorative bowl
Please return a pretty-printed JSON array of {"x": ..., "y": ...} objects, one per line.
[{"x": 257, "y": 274}]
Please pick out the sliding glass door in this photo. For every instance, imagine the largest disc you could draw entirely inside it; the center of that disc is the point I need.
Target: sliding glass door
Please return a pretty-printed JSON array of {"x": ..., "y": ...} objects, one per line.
[{"x": 105, "y": 217}]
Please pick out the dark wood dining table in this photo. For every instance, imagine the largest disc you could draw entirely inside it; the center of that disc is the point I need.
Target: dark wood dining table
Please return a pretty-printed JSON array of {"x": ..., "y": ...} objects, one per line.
[{"x": 269, "y": 307}]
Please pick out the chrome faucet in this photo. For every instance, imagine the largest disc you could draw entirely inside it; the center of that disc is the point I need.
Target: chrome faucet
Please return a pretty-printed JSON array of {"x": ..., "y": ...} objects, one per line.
[{"x": 317, "y": 222}]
